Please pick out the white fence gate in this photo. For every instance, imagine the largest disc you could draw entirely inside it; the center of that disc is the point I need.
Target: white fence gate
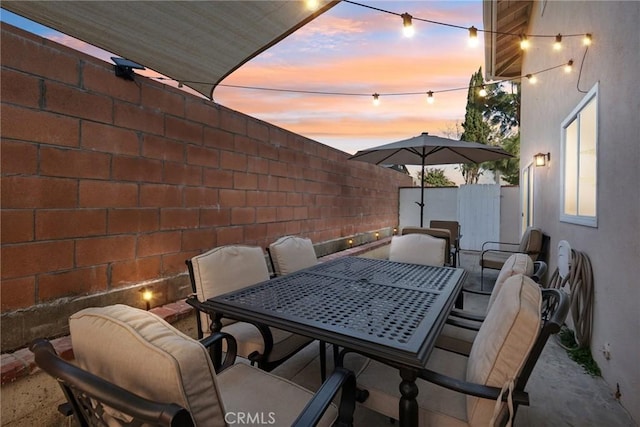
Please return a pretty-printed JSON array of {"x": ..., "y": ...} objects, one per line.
[
  {"x": 476, "y": 207},
  {"x": 479, "y": 210}
]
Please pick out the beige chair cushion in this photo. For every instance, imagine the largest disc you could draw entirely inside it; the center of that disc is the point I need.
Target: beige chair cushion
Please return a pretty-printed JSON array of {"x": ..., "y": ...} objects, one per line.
[
  {"x": 503, "y": 341},
  {"x": 531, "y": 242},
  {"x": 276, "y": 401},
  {"x": 140, "y": 352},
  {"x": 459, "y": 339},
  {"x": 515, "y": 264},
  {"x": 418, "y": 249},
  {"x": 225, "y": 269},
  {"x": 291, "y": 254}
]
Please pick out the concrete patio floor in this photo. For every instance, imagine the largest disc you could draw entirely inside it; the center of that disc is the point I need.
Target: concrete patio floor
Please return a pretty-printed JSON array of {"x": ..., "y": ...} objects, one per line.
[{"x": 561, "y": 393}]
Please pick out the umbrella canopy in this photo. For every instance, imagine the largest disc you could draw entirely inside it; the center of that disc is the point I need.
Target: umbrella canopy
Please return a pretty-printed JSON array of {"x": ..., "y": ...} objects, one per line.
[{"x": 427, "y": 149}]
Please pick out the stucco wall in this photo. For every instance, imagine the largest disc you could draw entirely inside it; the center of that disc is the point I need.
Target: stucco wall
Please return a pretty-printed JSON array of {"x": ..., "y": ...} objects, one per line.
[
  {"x": 108, "y": 184},
  {"x": 614, "y": 245}
]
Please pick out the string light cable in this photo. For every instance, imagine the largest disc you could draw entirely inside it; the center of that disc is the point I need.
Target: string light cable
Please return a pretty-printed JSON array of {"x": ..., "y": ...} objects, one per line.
[{"x": 378, "y": 95}]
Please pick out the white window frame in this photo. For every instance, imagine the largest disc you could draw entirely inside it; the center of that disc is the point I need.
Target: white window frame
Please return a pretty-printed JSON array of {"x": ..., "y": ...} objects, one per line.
[{"x": 586, "y": 220}]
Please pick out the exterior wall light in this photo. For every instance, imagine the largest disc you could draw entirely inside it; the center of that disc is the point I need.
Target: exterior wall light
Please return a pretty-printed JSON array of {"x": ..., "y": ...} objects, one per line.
[{"x": 541, "y": 159}]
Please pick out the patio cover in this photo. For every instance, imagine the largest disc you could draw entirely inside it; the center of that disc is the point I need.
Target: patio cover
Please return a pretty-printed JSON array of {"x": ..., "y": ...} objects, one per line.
[{"x": 201, "y": 41}]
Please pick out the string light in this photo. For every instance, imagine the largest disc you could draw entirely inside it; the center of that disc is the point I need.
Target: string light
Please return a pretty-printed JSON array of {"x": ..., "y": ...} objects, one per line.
[
  {"x": 430, "y": 98},
  {"x": 473, "y": 36},
  {"x": 557, "y": 45},
  {"x": 312, "y": 4},
  {"x": 532, "y": 78},
  {"x": 483, "y": 91},
  {"x": 569, "y": 66},
  {"x": 407, "y": 29},
  {"x": 376, "y": 96},
  {"x": 524, "y": 42}
]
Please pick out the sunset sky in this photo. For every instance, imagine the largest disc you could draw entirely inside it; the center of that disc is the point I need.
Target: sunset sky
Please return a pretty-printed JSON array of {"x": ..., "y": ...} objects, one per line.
[{"x": 353, "y": 49}]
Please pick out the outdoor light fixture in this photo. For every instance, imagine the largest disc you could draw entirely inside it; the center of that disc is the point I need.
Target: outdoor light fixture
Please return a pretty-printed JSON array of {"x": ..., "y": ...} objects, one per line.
[
  {"x": 524, "y": 43},
  {"x": 377, "y": 235},
  {"x": 395, "y": 230},
  {"x": 408, "y": 26},
  {"x": 569, "y": 66},
  {"x": 541, "y": 159},
  {"x": 483, "y": 91},
  {"x": 376, "y": 99},
  {"x": 350, "y": 243},
  {"x": 430, "y": 98},
  {"x": 124, "y": 68},
  {"x": 587, "y": 40},
  {"x": 147, "y": 296},
  {"x": 557, "y": 45},
  {"x": 532, "y": 78},
  {"x": 473, "y": 36}
]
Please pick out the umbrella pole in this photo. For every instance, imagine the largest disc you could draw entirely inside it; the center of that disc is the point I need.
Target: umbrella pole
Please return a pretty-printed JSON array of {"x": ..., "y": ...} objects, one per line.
[{"x": 422, "y": 190}]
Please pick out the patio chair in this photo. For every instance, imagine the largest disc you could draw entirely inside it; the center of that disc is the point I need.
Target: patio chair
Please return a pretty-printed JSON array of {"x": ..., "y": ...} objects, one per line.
[
  {"x": 454, "y": 231},
  {"x": 227, "y": 268},
  {"x": 462, "y": 325},
  {"x": 493, "y": 254},
  {"x": 131, "y": 363},
  {"x": 417, "y": 248},
  {"x": 291, "y": 253},
  {"x": 440, "y": 233},
  {"x": 477, "y": 390}
]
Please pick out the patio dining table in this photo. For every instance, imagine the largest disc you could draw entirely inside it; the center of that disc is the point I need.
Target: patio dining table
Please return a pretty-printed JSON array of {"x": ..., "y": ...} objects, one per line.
[{"x": 388, "y": 310}]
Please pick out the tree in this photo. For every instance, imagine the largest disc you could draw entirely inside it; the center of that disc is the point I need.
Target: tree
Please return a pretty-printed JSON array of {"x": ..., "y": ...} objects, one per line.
[
  {"x": 502, "y": 111},
  {"x": 435, "y": 177},
  {"x": 474, "y": 125}
]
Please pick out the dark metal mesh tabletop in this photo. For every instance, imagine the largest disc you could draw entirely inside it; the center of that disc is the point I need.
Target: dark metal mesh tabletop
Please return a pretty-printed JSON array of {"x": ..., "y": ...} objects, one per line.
[{"x": 374, "y": 300}]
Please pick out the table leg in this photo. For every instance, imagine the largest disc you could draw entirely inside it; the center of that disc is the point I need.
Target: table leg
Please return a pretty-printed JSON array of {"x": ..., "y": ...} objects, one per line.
[{"x": 408, "y": 408}]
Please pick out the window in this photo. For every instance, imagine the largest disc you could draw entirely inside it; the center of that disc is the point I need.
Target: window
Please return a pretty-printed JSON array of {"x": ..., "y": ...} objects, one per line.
[{"x": 580, "y": 163}]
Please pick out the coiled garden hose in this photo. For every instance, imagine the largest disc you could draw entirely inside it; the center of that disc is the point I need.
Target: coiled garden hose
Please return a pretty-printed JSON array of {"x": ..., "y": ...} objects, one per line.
[{"x": 580, "y": 280}]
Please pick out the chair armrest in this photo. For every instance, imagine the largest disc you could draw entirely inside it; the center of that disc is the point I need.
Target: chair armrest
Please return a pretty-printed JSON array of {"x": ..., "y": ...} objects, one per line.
[
  {"x": 472, "y": 389},
  {"x": 461, "y": 323},
  {"x": 232, "y": 348},
  {"x": 498, "y": 243},
  {"x": 340, "y": 379},
  {"x": 267, "y": 336},
  {"x": 467, "y": 315}
]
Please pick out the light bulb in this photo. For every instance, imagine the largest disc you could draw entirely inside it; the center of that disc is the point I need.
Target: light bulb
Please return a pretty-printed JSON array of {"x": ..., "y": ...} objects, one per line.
[
  {"x": 532, "y": 78},
  {"x": 430, "y": 98},
  {"x": 473, "y": 37},
  {"x": 524, "y": 43},
  {"x": 483, "y": 91},
  {"x": 569, "y": 66},
  {"x": 407, "y": 25},
  {"x": 557, "y": 45},
  {"x": 312, "y": 4},
  {"x": 587, "y": 40},
  {"x": 376, "y": 99}
]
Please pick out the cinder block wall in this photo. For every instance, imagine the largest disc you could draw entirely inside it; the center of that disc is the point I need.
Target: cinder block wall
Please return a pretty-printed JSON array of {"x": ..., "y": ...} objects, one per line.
[{"x": 109, "y": 184}]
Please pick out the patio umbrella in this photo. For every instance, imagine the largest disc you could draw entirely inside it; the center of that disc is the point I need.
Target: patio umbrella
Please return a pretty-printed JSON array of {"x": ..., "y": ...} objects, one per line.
[{"x": 427, "y": 149}]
